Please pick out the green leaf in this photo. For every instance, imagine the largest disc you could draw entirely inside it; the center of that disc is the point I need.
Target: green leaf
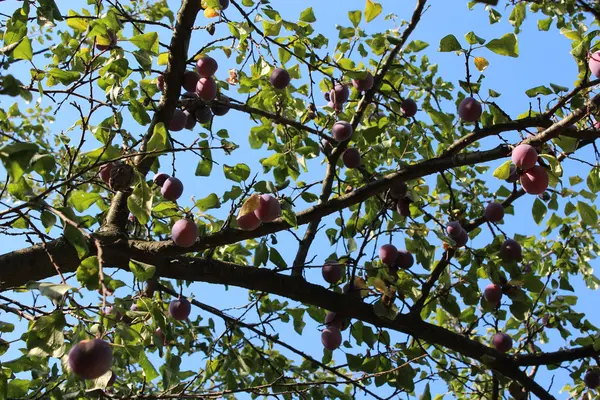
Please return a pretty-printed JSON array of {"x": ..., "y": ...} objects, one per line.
[
  {"x": 159, "y": 139},
  {"x": 308, "y": 15},
  {"x": 355, "y": 17},
  {"x": 472, "y": 38},
  {"x": 239, "y": 173},
  {"x": 142, "y": 271},
  {"x": 503, "y": 171},
  {"x": 83, "y": 200},
  {"x": 16, "y": 158},
  {"x": 593, "y": 180},
  {"x": 140, "y": 202},
  {"x": 88, "y": 273},
  {"x": 507, "y": 45},
  {"x": 372, "y": 10},
  {"x": 538, "y": 90},
  {"x": 205, "y": 165},
  {"x": 51, "y": 290},
  {"x": 449, "y": 43},
  {"x": 78, "y": 24},
  {"x": 147, "y": 41},
  {"x": 23, "y": 51},
  {"x": 139, "y": 113},
  {"x": 64, "y": 77},
  {"x": 149, "y": 370},
  {"x": 276, "y": 258},
  {"x": 587, "y": 213},
  {"x": 210, "y": 201},
  {"x": 538, "y": 211},
  {"x": 18, "y": 387},
  {"x": 73, "y": 235},
  {"x": 271, "y": 28}
]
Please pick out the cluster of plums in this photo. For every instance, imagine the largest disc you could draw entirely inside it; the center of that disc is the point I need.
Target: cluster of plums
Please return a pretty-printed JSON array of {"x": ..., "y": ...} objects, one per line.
[
  {"x": 399, "y": 194},
  {"x": 268, "y": 210},
  {"x": 185, "y": 231},
  {"x": 533, "y": 178},
  {"x": 201, "y": 85}
]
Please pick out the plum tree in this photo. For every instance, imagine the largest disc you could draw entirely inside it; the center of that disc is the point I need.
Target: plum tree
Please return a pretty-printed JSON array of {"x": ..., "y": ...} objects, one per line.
[
  {"x": 331, "y": 337},
  {"x": 97, "y": 247},
  {"x": 332, "y": 272},
  {"x": 339, "y": 94},
  {"x": 268, "y": 209},
  {"x": 206, "y": 66},
  {"x": 178, "y": 121},
  {"x": 190, "y": 80},
  {"x": 160, "y": 178},
  {"x": 592, "y": 378},
  {"x": 184, "y": 233},
  {"x": 180, "y": 309},
  {"x": 362, "y": 85},
  {"x": 388, "y": 254},
  {"x": 594, "y": 64},
  {"x": 172, "y": 188},
  {"x": 494, "y": 212},
  {"x": 502, "y": 342},
  {"x": 351, "y": 158},
  {"x": 469, "y": 109},
  {"x": 535, "y": 180},
  {"x": 493, "y": 294},
  {"x": 206, "y": 89},
  {"x": 511, "y": 250},
  {"x": 524, "y": 156},
  {"x": 280, "y": 78},
  {"x": 90, "y": 359},
  {"x": 342, "y": 131},
  {"x": 408, "y": 108}
]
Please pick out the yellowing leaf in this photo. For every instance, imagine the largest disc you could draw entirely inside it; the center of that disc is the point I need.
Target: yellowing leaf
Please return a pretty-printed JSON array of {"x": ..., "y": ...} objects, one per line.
[
  {"x": 481, "y": 63},
  {"x": 372, "y": 10},
  {"x": 250, "y": 205}
]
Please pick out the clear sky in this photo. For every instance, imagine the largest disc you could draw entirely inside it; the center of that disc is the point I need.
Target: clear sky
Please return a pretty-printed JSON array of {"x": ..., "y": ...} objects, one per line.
[{"x": 544, "y": 58}]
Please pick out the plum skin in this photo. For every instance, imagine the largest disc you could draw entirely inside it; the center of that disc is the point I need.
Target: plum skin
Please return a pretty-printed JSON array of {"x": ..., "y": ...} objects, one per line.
[
  {"x": 594, "y": 64},
  {"x": 404, "y": 259},
  {"x": 351, "y": 158},
  {"x": 206, "y": 89},
  {"x": 592, "y": 378},
  {"x": 339, "y": 94},
  {"x": 160, "y": 178},
  {"x": 105, "y": 172},
  {"x": 206, "y": 66},
  {"x": 332, "y": 272},
  {"x": 172, "y": 188},
  {"x": 184, "y": 233},
  {"x": 492, "y": 294},
  {"x": 190, "y": 79},
  {"x": 178, "y": 121},
  {"x": 535, "y": 180},
  {"x": 462, "y": 238},
  {"x": 399, "y": 190},
  {"x": 524, "y": 156},
  {"x": 469, "y": 109},
  {"x": 511, "y": 250},
  {"x": 280, "y": 78},
  {"x": 190, "y": 122},
  {"x": 203, "y": 114},
  {"x": 331, "y": 338},
  {"x": 494, "y": 212},
  {"x": 408, "y": 107},
  {"x": 342, "y": 131},
  {"x": 454, "y": 229},
  {"x": 388, "y": 254},
  {"x": 362, "y": 85},
  {"x": 332, "y": 319},
  {"x": 180, "y": 309},
  {"x": 268, "y": 209},
  {"x": 248, "y": 222},
  {"x": 502, "y": 342},
  {"x": 90, "y": 359}
]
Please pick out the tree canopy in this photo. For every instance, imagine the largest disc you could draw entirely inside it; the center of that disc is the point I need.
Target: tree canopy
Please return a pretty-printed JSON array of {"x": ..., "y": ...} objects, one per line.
[{"x": 367, "y": 200}]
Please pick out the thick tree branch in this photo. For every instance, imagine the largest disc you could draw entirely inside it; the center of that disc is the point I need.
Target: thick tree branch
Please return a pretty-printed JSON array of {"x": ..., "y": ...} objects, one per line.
[{"x": 557, "y": 357}]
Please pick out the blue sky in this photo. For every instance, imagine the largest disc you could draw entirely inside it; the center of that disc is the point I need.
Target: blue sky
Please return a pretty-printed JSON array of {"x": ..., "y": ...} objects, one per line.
[{"x": 544, "y": 58}]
